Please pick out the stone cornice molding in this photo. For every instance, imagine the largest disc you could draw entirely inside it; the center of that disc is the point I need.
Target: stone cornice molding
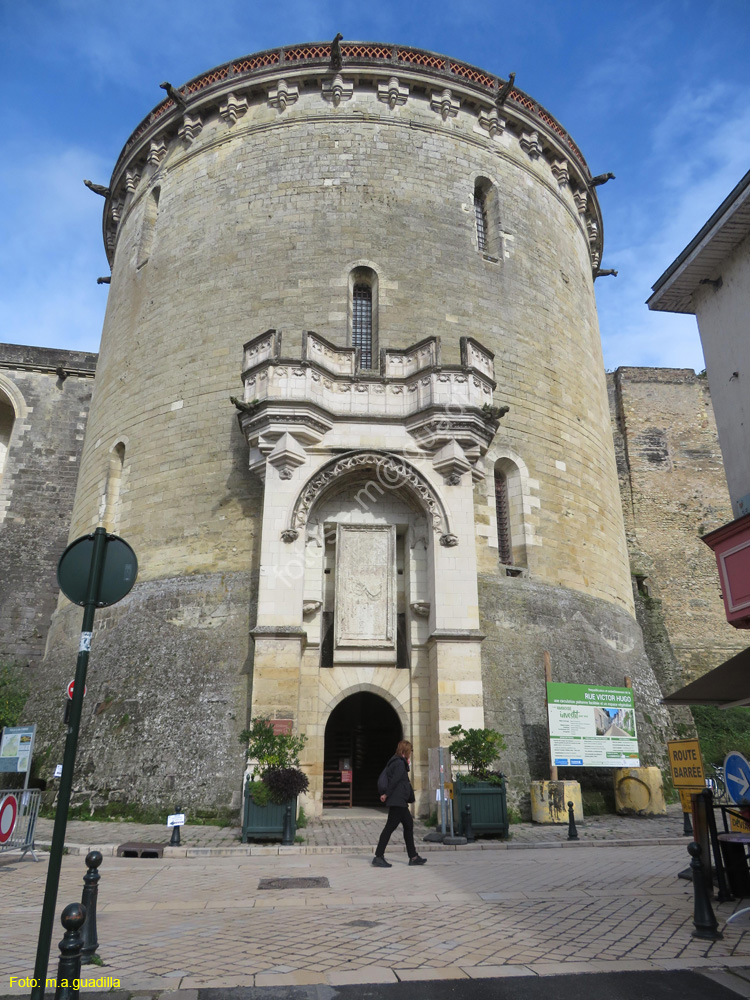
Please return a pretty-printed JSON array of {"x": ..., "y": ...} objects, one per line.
[{"x": 249, "y": 79}]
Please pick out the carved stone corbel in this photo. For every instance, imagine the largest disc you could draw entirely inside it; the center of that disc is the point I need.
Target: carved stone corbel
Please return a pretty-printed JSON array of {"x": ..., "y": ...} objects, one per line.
[
  {"x": 132, "y": 179},
  {"x": 282, "y": 95},
  {"x": 233, "y": 108},
  {"x": 156, "y": 152},
  {"x": 289, "y": 535},
  {"x": 445, "y": 104},
  {"x": 449, "y": 540},
  {"x": 190, "y": 128},
  {"x": 310, "y": 607},
  {"x": 393, "y": 93},
  {"x": 337, "y": 90},
  {"x": 492, "y": 122},
  {"x": 560, "y": 172},
  {"x": 420, "y": 608},
  {"x": 529, "y": 143}
]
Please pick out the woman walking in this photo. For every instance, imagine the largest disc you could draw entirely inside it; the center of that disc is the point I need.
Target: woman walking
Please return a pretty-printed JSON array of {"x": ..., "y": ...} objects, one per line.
[{"x": 397, "y": 796}]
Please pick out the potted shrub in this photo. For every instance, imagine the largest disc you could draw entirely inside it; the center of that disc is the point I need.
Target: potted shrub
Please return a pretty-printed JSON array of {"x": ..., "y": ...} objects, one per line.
[
  {"x": 481, "y": 788},
  {"x": 274, "y": 782}
]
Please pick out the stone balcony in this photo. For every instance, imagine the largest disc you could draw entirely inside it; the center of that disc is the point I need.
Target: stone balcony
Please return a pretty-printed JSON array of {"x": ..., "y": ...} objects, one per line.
[{"x": 307, "y": 396}]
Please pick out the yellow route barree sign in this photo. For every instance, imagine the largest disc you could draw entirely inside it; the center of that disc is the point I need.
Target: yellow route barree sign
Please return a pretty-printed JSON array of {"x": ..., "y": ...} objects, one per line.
[{"x": 686, "y": 763}]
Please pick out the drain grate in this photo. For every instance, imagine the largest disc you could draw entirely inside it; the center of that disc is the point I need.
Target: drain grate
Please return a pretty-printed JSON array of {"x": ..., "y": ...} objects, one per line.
[
  {"x": 317, "y": 882},
  {"x": 137, "y": 849}
]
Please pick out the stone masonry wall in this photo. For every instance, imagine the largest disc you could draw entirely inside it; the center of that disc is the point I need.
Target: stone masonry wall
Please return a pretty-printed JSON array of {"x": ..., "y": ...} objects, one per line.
[
  {"x": 38, "y": 486},
  {"x": 673, "y": 491}
]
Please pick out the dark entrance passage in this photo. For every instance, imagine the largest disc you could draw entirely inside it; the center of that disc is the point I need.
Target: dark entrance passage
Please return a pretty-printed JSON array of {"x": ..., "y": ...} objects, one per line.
[{"x": 362, "y": 732}]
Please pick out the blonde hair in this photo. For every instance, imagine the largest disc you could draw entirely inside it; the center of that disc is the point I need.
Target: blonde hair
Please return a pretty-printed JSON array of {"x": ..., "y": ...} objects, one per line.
[{"x": 404, "y": 748}]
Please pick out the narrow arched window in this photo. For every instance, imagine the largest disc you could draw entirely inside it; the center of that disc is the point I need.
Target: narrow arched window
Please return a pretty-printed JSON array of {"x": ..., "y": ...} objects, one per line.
[
  {"x": 114, "y": 485},
  {"x": 363, "y": 313},
  {"x": 487, "y": 219},
  {"x": 7, "y": 419},
  {"x": 148, "y": 227},
  {"x": 502, "y": 512},
  {"x": 480, "y": 214}
]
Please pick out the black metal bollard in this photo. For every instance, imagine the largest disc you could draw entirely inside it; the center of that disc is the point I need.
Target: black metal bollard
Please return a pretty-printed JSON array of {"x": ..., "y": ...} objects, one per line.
[
  {"x": 468, "y": 828},
  {"x": 706, "y": 924},
  {"x": 572, "y": 832},
  {"x": 69, "y": 964},
  {"x": 288, "y": 835},
  {"x": 90, "y": 941},
  {"x": 687, "y": 826},
  {"x": 175, "y": 841}
]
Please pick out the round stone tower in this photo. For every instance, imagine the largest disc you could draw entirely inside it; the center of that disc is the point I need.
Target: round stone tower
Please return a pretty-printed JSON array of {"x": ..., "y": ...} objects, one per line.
[{"x": 373, "y": 251}]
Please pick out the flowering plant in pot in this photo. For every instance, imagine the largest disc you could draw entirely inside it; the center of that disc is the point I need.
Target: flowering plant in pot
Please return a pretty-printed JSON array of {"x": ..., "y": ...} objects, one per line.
[
  {"x": 275, "y": 779},
  {"x": 482, "y": 790}
]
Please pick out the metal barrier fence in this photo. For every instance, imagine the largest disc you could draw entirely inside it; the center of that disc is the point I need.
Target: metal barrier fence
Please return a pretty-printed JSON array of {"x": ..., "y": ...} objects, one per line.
[{"x": 18, "y": 812}]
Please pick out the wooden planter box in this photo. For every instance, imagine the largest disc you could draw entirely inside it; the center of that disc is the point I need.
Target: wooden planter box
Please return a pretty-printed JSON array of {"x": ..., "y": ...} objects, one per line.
[
  {"x": 489, "y": 810},
  {"x": 265, "y": 822}
]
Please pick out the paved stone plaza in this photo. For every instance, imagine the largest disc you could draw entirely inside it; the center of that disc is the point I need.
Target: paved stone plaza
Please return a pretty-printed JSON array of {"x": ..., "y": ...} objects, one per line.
[{"x": 480, "y": 911}]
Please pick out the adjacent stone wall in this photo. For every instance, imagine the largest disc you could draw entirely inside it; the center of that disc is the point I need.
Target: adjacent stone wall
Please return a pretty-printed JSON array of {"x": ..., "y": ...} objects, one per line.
[
  {"x": 49, "y": 392},
  {"x": 673, "y": 491}
]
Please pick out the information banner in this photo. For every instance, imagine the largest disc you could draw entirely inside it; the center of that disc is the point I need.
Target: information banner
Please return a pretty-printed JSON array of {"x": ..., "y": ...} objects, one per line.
[
  {"x": 16, "y": 745},
  {"x": 592, "y": 726}
]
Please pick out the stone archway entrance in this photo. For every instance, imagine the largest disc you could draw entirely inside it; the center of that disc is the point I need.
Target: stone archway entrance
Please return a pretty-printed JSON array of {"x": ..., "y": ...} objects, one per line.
[{"x": 362, "y": 731}]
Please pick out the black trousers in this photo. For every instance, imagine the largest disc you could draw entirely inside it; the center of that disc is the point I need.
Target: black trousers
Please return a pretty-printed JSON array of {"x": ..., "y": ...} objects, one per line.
[{"x": 396, "y": 815}]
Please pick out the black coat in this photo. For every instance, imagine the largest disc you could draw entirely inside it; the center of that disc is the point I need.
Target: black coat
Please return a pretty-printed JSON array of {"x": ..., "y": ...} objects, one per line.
[{"x": 399, "y": 791}]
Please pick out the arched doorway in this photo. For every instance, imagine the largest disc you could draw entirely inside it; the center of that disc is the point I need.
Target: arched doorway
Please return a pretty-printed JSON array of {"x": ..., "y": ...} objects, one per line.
[{"x": 362, "y": 731}]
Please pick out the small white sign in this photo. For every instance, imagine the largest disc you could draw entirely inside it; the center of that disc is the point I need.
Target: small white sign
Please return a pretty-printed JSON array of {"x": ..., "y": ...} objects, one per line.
[
  {"x": 58, "y": 771},
  {"x": 178, "y": 819}
]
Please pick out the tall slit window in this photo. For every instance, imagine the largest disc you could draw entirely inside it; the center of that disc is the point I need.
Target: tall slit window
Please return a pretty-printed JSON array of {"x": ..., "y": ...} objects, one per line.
[
  {"x": 502, "y": 511},
  {"x": 480, "y": 214},
  {"x": 363, "y": 314},
  {"x": 362, "y": 323}
]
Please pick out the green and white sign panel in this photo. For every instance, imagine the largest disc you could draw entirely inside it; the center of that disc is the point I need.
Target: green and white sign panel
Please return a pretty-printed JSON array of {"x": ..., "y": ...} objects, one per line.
[{"x": 592, "y": 726}]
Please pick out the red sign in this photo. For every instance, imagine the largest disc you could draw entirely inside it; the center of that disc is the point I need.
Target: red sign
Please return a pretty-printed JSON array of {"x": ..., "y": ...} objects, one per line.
[
  {"x": 282, "y": 727},
  {"x": 731, "y": 546},
  {"x": 70, "y": 689},
  {"x": 8, "y": 813},
  {"x": 346, "y": 777}
]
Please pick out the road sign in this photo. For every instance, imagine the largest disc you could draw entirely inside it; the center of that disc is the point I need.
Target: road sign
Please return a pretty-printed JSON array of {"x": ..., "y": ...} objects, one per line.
[
  {"x": 118, "y": 573},
  {"x": 687, "y": 766},
  {"x": 737, "y": 778},
  {"x": 70, "y": 689},
  {"x": 8, "y": 813}
]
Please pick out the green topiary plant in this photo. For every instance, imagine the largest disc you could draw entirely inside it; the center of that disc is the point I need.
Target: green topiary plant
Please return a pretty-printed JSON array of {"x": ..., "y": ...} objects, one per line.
[{"x": 477, "y": 748}]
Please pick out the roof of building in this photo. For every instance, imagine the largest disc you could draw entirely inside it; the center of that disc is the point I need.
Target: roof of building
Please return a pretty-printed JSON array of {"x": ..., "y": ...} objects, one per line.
[{"x": 704, "y": 255}]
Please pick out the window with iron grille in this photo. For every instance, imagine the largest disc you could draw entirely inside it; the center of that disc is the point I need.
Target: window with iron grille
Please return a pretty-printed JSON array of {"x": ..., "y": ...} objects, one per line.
[
  {"x": 503, "y": 519},
  {"x": 480, "y": 212},
  {"x": 362, "y": 323}
]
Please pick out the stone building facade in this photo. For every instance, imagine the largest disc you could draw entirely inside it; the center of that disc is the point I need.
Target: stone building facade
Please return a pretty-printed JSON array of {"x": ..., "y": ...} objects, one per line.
[
  {"x": 374, "y": 261},
  {"x": 44, "y": 404}
]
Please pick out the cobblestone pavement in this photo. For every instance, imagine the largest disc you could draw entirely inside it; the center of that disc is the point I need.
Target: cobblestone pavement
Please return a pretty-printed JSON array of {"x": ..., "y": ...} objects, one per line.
[
  {"x": 186, "y": 923},
  {"x": 338, "y": 830}
]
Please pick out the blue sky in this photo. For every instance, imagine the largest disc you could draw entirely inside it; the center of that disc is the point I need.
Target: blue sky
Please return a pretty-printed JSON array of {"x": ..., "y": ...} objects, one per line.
[{"x": 656, "y": 92}]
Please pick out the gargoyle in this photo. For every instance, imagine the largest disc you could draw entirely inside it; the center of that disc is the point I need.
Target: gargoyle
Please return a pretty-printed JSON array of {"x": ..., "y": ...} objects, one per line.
[
  {"x": 174, "y": 94},
  {"x": 242, "y": 406},
  {"x": 97, "y": 188},
  {"x": 336, "y": 60},
  {"x": 494, "y": 412},
  {"x": 599, "y": 273},
  {"x": 505, "y": 90},
  {"x": 103, "y": 281},
  {"x": 602, "y": 179}
]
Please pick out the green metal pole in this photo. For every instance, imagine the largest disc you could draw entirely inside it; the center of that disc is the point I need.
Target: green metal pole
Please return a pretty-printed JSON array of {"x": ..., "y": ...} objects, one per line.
[{"x": 69, "y": 758}]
